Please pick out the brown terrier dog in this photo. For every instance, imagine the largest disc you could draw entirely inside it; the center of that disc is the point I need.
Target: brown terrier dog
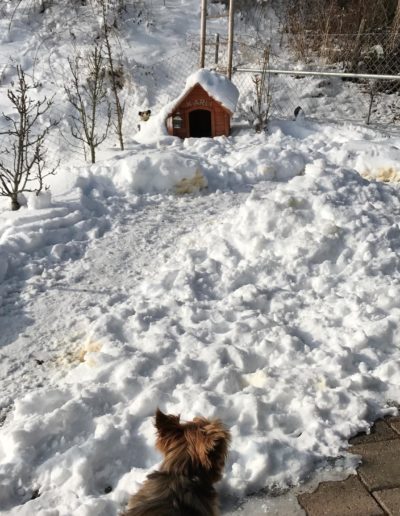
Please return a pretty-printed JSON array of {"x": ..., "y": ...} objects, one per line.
[{"x": 194, "y": 457}]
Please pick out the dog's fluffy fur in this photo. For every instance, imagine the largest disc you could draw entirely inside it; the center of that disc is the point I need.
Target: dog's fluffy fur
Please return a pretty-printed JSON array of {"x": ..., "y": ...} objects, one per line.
[{"x": 194, "y": 457}]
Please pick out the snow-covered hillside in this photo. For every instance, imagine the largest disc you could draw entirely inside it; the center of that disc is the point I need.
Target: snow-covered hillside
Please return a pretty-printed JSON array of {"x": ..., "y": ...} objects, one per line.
[{"x": 268, "y": 296}]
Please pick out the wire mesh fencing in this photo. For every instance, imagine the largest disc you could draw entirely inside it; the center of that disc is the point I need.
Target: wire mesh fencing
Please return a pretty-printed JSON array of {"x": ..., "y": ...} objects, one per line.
[
  {"x": 334, "y": 97},
  {"x": 159, "y": 83},
  {"x": 326, "y": 97},
  {"x": 373, "y": 53}
]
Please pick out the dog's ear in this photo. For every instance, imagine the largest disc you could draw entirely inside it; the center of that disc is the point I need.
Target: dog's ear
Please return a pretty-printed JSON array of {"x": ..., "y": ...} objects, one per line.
[
  {"x": 169, "y": 430},
  {"x": 166, "y": 424},
  {"x": 218, "y": 439},
  {"x": 149, "y": 112},
  {"x": 209, "y": 443},
  {"x": 219, "y": 436}
]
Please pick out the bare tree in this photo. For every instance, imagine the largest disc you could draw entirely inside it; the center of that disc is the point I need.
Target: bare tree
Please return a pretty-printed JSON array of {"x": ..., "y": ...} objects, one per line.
[
  {"x": 24, "y": 167},
  {"x": 114, "y": 72},
  {"x": 88, "y": 96}
]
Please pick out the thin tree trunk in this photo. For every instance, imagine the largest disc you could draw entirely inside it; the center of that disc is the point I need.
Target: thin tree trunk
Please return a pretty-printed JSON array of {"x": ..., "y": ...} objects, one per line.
[
  {"x": 357, "y": 47},
  {"x": 118, "y": 108},
  {"x": 92, "y": 154},
  {"x": 395, "y": 29},
  {"x": 15, "y": 205}
]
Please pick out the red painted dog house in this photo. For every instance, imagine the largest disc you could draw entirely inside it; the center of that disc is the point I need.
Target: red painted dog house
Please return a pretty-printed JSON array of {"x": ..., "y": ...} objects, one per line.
[{"x": 205, "y": 108}]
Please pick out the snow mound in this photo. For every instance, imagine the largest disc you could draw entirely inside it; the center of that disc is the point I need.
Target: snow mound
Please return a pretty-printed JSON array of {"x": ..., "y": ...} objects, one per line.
[
  {"x": 155, "y": 172},
  {"x": 155, "y": 130},
  {"x": 39, "y": 201},
  {"x": 45, "y": 233}
]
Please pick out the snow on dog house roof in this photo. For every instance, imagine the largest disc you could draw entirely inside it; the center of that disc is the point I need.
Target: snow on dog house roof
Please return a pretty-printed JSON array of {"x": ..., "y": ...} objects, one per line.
[
  {"x": 218, "y": 86},
  {"x": 204, "y": 108}
]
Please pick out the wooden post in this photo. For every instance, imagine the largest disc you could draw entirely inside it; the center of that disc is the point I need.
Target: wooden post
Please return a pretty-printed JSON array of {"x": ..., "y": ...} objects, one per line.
[
  {"x": 216, "y": 48},
  {"x": 230, "y": 38},
  {"x": 203, "y": 33}
]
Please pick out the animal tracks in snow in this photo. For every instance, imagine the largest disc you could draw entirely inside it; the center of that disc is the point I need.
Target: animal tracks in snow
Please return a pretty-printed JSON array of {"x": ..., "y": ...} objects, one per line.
[{"x": 54, "y": 298}]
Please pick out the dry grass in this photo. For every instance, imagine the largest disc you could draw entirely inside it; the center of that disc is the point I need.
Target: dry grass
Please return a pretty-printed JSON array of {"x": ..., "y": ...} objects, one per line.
[{"x": 345, "y": 31}]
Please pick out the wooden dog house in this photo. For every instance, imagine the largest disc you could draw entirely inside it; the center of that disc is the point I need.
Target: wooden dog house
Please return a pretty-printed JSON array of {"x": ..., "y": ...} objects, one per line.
[{"x": 205, "y": 107}]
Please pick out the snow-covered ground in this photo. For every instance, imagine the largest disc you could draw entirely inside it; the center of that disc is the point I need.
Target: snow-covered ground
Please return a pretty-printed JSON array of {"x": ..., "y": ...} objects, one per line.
[{"x": 269, "y": 299}]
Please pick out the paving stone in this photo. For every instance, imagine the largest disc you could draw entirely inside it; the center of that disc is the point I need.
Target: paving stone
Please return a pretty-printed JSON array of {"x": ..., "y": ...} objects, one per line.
[
  {"x": 380, "y": 467},
  {"x": 389, "y": 500},
  {"x": 346, "y": 498},
  {"x": 380, "y": 431},
  {"x": 394, "y": 423}
]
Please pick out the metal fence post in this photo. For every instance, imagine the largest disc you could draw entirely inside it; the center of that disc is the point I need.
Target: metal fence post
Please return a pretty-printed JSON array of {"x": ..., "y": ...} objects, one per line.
[{"x": 216, "y": 48}]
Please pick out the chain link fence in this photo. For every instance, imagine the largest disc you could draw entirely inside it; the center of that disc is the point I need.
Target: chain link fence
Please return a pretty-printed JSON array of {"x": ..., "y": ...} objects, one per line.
[
  {"x": 331, "y": 96},
  {"x": 372, "y": 53},
  {"x": 336, "y": 96},
  {"x": 346, "y": 77}
]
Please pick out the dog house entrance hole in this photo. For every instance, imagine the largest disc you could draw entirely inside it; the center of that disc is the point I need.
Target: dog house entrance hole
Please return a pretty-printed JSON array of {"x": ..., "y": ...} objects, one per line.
[{"x": 200, "y": 123}]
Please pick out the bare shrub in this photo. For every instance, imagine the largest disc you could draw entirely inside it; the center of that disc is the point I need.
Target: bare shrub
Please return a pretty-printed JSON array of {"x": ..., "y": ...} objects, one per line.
[
  {"x": 257, "y": 106},
  {"x": 339, "y": 16},
  {"x": 116, "y": 74},
  {"x": 394, "y": 38},
  {"x": 87, "y": 93},
  {"x": 346, "y": 32},
  {"x": 24, "y": 167}
]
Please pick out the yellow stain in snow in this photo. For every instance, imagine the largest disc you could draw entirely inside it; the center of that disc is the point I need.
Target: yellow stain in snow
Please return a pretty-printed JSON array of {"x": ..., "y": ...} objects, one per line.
[
  {"x": 191, "y": 185},
  {"x": 385, "y": 174},
  {"x": 79, "y": 355}
]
